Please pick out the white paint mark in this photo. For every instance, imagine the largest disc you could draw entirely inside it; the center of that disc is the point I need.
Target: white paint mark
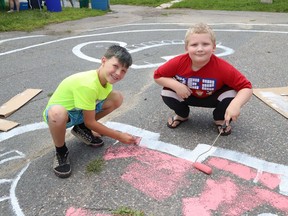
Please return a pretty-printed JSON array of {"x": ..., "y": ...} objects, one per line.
[
  {"x": 283, "y": 187},
  {"x": 115, "y": 142},
  {"x": 4, "y": 198},
  {"x": 5, "y": 181},
  {"x": 14, "y": 200},
  {"x": 227, "y": 50},
  {"x": 168, "y": 5},
  {"x": 146, "y": 30},
  {"x": 258, "y": 176},
  {"x": 12, "y": 192},
  {"x": 19, "y": 156},
  {"x": 77, "y": 49},
  {"x": 20, "y": 38},
  {"x": 138, "y": 48},
  {"x": 251, "y": 161},
  {"x": 22, "y": 129}
]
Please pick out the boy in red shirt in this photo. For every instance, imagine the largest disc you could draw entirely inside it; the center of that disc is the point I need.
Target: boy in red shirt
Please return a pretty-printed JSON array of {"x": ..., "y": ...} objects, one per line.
[{"x": 199, "y": 78}]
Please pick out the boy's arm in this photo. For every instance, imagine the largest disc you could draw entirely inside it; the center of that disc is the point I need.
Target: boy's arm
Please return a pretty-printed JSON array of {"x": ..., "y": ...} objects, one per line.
[
  {"x": 233, "y": 110},
  {"x": 182, "y": 90},
  {"x": 92, "y": 124},
  {"x": 168, "y": 82}
]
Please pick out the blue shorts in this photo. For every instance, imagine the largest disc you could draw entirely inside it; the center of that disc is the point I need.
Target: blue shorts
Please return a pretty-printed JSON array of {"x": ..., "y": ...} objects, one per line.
[{"x": 76, "y": 116}]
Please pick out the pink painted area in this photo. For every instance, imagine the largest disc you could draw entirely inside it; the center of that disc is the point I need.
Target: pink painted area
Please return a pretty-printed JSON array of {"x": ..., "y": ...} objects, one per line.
[
  {"x": 271, "y": 181},
  {"x": 240, "y": 170},
  {"x": 231, "y": 199},
  {"x": 156, "y": 174},
  {"x": 82, "y": 212},
  {"x": 267, "y": 179},
  {"x": 253, "y": 197},
  {"x": 193, "y": 206},
  {"x": 276, "y": 200},
  {"x": 122, "y": 152},
  {"x": 76, "y": 212},
  {"x": 159, "y": 176},
  {"x": 215, "y": 194}
]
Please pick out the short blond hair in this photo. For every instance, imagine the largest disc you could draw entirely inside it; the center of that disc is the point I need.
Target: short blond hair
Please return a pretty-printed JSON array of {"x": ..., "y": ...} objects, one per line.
[{"x": 200, "y": 28}]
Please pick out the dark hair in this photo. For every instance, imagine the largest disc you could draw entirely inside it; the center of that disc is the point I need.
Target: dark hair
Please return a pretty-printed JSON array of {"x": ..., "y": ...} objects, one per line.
[{"x": 120, "y": 53}]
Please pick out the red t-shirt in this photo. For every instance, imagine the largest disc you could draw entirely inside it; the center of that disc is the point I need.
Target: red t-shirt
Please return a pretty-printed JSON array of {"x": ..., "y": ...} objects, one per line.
[{"x": 204, "y": 82}]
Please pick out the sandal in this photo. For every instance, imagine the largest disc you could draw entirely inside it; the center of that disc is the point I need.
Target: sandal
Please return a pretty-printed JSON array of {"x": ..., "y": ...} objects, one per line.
[
  {"x": 225, "y": 131},
  {"x": 177, "y": 121}
]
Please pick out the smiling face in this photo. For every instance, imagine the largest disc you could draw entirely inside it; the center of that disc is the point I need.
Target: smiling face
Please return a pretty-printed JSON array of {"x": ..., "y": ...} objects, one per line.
[
  {"x": 200, "y": 48},
  {"x": 200, "y": 44},
  {"x": 111, "y": 71}
]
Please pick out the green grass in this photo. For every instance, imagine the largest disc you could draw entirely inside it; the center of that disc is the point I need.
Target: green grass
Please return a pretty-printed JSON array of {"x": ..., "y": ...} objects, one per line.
[
  {"x": 150, "y": 3},
  {"x": 234, "y": 5},
  {"x": 126, "y": 211},
  {"x": 95, "y": 166},
  {"x": 30, "y": 20}
]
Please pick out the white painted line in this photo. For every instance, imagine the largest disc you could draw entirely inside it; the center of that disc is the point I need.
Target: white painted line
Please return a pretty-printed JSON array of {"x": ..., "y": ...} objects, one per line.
[
  {"x": 22, "y": 129},
  {"x": 14, "y": 200},
  {"x": 20, "y": 38},
  {"x": 19, "y": 156},
  {"x": 251, "y": 161},
  {"x": 136, "y": 31},
  {"x": 140, "y": 47}
]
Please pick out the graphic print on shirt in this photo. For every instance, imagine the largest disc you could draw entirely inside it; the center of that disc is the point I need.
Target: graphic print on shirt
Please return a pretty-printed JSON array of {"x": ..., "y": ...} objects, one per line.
[{"x": 199, "y": 86}]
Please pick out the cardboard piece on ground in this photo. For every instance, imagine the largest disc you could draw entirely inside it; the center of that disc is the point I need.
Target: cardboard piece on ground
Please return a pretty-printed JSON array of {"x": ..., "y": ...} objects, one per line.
[
  {"x": 6, "y": 125},
  {"x": 276, "y": 98},
  {"x": 18, "y": 101}
]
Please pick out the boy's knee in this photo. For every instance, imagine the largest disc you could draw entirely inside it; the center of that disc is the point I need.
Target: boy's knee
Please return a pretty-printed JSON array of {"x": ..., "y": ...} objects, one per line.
[
  {"x": 116, "y": 99},
  {"x": 57, "y": 113}
]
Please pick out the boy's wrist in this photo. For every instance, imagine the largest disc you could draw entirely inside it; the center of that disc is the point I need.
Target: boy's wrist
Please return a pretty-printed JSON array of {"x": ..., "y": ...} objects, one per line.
[{"x": 118, "y": 135}]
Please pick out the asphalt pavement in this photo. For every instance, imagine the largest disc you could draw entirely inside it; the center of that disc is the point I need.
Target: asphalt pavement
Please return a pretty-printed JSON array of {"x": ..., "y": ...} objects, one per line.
[{"x": 249, "y": 167}]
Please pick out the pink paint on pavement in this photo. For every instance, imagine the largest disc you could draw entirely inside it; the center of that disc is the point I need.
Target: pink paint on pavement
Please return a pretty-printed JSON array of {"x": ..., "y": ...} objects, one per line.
[
  {"x": 76, "y": 212},
  {"x": 269, "y": 180},
  {"x": 276, "y": 200},
  {"x": 237, "y": 169},
  {"x": 156, "y": 174},
  {"x": 251, "y": 198},
  {"x": 232, "y": 199},
  {"x": 192, "y": 206},
  {"x": 82, "y": 212},
  {"x": 122, "y": 152},
  {"x": 214, "y": 195}
]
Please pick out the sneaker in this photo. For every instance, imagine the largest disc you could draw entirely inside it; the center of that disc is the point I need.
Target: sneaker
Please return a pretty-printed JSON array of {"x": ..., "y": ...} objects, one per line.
[
  {"x": 86, "y": 136},
  {"x": 61, "y": 165},
  {"x": 10, "y": 11}
]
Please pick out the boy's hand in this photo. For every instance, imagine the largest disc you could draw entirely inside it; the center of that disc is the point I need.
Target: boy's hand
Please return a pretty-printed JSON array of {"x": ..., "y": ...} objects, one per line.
[
  {"x": 128, "y": 138},
  {"x": 182, "y": 90},
  {"x": 232, "y": 113}
]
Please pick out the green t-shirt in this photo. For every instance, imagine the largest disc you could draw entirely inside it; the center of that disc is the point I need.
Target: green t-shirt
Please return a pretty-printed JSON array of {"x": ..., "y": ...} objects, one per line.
[{"x": 80, "y": 91}]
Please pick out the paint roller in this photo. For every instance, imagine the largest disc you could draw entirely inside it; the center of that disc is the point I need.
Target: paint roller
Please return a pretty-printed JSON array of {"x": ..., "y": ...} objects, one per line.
[{"x": 202, "y": 167}]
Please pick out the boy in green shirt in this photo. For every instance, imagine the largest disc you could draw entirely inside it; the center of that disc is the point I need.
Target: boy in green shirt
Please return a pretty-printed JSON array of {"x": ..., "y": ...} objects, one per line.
[{"x": 81, "y": 100}]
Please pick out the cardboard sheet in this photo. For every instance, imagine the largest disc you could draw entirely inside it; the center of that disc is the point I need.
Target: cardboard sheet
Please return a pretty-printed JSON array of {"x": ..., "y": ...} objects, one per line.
[
  {"x": 276, "y": 98},
  {"x": 18, "y": 101},
  {"x": 6, "y": 125}
]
